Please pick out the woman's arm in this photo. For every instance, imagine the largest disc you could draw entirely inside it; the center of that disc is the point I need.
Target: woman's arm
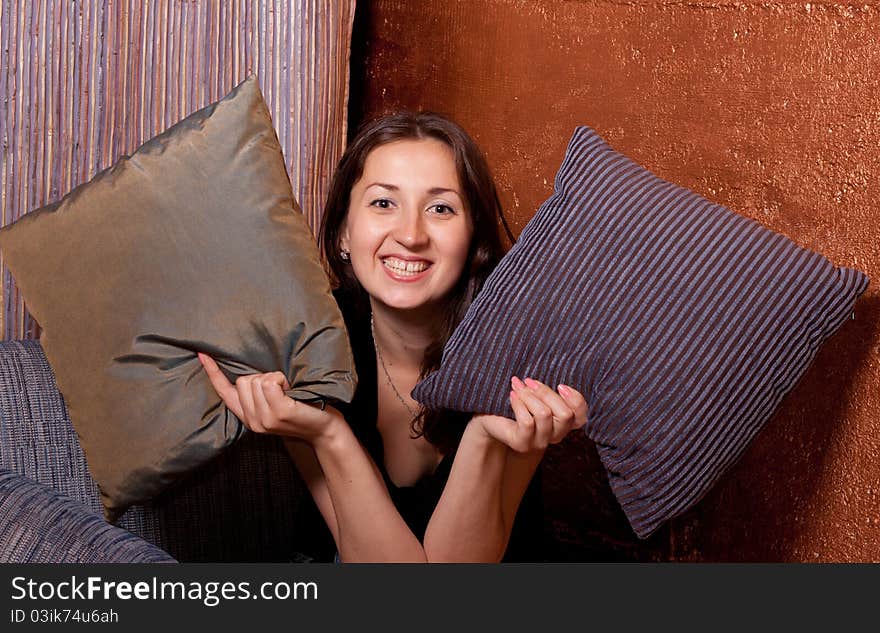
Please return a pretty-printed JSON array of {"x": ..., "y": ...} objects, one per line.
[
  {"x": 480, "y": 467},
  {"x": 474, "y": 517},
  {"x": 486, "y": 508},
  {"x": 495, "y": 462},
  {"x": 370, "y": 529},
  {"x": 306, "y": 463},
  {"x": 479, "y": 500},
  {"x": 345, "y": 483}
]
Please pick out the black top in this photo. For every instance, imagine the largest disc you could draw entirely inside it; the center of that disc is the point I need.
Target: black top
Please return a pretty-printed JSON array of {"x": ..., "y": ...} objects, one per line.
[{"x": 416, "y": 503}]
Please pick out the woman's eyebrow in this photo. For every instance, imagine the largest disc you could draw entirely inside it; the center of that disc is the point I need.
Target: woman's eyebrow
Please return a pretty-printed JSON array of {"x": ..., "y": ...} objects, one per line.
[
  {"x": 434, "y": 191},
  {"x": 384, "y": 186}
]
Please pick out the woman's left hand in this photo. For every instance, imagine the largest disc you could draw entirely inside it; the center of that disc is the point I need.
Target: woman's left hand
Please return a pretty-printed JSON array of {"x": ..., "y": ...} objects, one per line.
[{"x": 543, "y": 416}]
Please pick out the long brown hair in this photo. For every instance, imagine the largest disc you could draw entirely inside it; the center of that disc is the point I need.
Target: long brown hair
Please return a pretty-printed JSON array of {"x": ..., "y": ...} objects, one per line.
[{"x": 440, "y": 427}]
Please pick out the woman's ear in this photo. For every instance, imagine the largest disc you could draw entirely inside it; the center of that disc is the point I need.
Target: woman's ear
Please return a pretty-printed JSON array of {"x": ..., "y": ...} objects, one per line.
[{"x": 344, "y": 239}]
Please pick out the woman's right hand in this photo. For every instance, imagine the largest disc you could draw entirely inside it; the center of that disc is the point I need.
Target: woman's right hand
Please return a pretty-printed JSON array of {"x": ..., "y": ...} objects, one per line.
[
  {"x": 259, "y": 401},
  {"x": 543, "y": 416}
]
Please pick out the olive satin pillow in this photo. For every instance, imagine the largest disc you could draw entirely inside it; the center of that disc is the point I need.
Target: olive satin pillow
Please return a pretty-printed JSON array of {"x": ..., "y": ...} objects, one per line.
[
  {"x": 194, "y": 243},
  {"x": 683, "y": 323}
]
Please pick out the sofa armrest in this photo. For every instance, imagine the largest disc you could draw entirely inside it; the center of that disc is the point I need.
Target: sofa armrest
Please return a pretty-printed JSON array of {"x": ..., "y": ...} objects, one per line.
[
  {"x": 39, "y": 525},
  {"x": 242, "y": 507}
]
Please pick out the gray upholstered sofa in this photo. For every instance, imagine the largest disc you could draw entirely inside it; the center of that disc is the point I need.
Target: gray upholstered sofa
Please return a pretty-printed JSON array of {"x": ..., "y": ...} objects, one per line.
[{"x": 242, "y": 507}]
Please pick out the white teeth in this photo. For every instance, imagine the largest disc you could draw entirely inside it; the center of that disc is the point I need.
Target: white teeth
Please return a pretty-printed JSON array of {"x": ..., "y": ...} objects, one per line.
[{"x": 404, "y": 268}]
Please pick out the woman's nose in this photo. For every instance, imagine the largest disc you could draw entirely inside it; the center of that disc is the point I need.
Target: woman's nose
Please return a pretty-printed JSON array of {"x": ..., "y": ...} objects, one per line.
[{"x": 410, "y": 230}]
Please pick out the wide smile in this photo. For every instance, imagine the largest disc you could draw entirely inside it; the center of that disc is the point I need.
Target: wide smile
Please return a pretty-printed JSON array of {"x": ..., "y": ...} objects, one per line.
[{"x": 405, "y": 269}]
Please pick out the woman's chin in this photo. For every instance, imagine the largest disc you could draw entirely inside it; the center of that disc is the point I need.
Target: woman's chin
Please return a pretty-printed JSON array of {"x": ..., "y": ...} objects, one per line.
[{"x": 407, "y": 303}]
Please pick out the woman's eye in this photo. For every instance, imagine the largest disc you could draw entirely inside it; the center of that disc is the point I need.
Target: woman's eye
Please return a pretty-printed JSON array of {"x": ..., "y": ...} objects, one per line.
[
  {"x": 442, "y": 209},
  {"x": 382, "y": 203}
]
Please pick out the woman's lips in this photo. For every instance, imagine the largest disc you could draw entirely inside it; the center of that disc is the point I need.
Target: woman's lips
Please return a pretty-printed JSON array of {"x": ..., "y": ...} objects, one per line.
[{"x": 405, "y": 270}]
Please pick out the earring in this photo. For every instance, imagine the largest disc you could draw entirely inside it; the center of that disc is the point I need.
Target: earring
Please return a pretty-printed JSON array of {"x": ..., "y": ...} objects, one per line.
[{"x": 345, "y": 255}]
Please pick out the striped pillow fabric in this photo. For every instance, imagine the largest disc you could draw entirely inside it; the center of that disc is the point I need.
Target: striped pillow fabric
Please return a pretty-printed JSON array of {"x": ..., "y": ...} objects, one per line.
[
  {"x": 39, "y": 525},
  {"x": 682, "y": 322}
]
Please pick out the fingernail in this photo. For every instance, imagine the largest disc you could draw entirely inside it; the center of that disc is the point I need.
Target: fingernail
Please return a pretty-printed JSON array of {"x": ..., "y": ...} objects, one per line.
[
  {"x": 565, "y": 391},
  {"x": 199, "y": 354},
  {"x": 532, "y": 383},
  {"x": 517, "y": 383}
]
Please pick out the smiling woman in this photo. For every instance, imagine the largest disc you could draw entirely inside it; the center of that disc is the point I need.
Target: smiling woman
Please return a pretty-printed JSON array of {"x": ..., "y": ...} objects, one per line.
[
  {"x": 409, "y": 234},
  {"x": 408, "y": 229}
]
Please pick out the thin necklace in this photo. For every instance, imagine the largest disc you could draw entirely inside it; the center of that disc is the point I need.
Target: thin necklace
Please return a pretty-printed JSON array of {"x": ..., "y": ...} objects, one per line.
[{"x": 387, "y": 375}]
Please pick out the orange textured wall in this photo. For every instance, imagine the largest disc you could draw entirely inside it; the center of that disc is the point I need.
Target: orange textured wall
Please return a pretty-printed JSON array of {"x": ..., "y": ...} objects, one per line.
[{"x": 771, "y": 108}]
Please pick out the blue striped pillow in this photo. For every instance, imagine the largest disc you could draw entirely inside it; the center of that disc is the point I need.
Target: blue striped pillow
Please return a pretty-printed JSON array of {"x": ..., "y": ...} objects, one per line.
[
  {"x": 39, "y": 525},
  {"x": 683, "y": 323}
]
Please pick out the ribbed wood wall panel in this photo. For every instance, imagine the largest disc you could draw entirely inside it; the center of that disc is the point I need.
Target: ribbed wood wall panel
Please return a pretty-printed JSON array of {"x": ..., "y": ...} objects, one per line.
[{"x": 84, "y": 82}]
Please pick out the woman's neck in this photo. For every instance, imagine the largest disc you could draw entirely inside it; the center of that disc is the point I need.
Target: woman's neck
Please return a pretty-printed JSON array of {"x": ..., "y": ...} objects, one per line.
[{"x": 403, "y": 336}]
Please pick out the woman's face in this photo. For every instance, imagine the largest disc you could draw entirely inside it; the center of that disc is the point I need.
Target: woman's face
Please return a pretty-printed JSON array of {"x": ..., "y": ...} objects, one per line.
[{"x": 407, "y": 229}]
